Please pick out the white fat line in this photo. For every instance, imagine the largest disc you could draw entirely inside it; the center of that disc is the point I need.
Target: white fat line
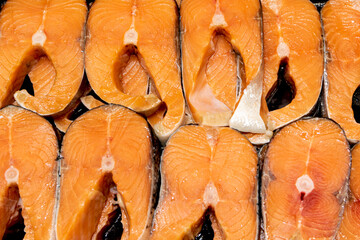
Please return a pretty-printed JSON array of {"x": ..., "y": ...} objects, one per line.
[
  {"x": 218, "y": 19},
  {"x": 107, "y": 161},
  {"x": 131, "y": 36},
  {"x": 39, "y": 37}
]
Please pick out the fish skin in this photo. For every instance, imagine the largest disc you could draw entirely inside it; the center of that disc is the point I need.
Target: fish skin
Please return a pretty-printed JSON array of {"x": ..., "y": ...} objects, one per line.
[
  {"x": 110, "y": 132},
  {"x": 297, "y": 150},
  {"x": 341, "y": 24},
  {"x": 205, "y": 182},
  {"x": 34, "y": 157},
  {"x": 349, "y": 228},
  {"x": 156, "y": 44},
  {"x": 62, "y": 24}
]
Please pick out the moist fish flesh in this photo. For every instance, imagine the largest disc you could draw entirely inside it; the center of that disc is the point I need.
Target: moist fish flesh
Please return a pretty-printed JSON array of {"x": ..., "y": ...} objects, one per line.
[
  {"x": 207, "y": 170},
  {"x": 107, "y": 169},
  {"x": 47, "y": 35},
  {"x": 132, "y": 59},
  {"x": 304, "y": 182},
  {"x": 28, "y": 170}
]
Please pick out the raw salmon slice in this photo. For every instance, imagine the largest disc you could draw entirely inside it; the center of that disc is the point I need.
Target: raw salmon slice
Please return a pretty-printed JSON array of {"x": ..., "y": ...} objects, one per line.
[
  {"x": 222, "y": 62},
  {"x": 47, "y": 33},
  {"x": 107, "y": 172},
  {"x": 132, "y": 59},
  {"x": 341, "y": 24},
  {"x": 207, "y": 169},
  {"x": 350, "y": 225},
  {"x": 304, "y": 180},
  {"x": 293, "y": 57},
  {"x": 28, "y": 153}
]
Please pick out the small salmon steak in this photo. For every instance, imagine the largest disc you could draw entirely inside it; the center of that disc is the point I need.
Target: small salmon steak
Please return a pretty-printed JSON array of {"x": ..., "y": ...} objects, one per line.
[
  {"x": 132, "y": 59},
  {"x": 350, "y": 225},
  {"x": 304, "y": 183},
  {"x": 28, "y": 170},
  {"x": 47, "y": 35},
  {"x": 107, "y": 176},
  {"x": 342, "y": 97},
  {"x": 293, "y": 58},
  {"x": 207, "y": 170},
  {"x": 222, "y": 62}
]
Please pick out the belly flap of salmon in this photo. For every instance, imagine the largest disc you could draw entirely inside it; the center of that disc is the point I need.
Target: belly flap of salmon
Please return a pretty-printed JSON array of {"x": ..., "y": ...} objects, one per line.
[
  {"x": 207, "y": 172},
  {"x": 304, "y": 182},
  {"x": 341, "y": 25},
  {"x": 107, "y": 176},
  {"x": 132, "y": 59},
  {"x": 28, "y": 171},
  {"x": 46, "y": 37}
]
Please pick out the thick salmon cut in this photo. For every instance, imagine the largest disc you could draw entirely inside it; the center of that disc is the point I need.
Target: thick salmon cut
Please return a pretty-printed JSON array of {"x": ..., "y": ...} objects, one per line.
[
  {"x": 28, "y": 168},
  {"x": 304, "y": 182},
  {"x": 47, "y": 35},
  {"x": 350, "y": 225},
  {"x": 341, "y": 24},
  {"x": 293, "y": 56},
  {"x": 222, "y": 62},
  {"x": 107, "y": 172},
  {"x": 132, "y": 59},
  {"x": 207, "y": 170}
]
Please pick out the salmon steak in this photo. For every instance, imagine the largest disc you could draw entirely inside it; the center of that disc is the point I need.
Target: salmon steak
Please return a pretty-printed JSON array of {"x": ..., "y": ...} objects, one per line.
[
  {"x": 341, "y": 94},
  {"x": 28, "y": 171},
  {"x": 47, "y": 37},
  {"x": 350, "y": 225},
  {"x": 222, "y": 62},
  {"x": 132, "y": 59},
  {"x": 206, "y": 170},
  {"x": 304, "y": 181},
  {"x": 293, "y": 59},
  {"x": 107, "y": 194}
]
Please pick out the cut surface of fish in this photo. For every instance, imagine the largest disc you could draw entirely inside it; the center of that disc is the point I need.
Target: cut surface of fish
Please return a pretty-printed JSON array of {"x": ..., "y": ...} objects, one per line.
[
  {"x": 107, "y": 176},
  {"x": 222, "y": 62},
  {"x": 304, "y": 181},
  {"x": 350, "y": 225},
  {"x": 341, "y": 94},
  {"x": 293, "y": 59},
  {"x": 204, "y": 170},
  {"x": 132, "y": 59},
  {"x": 45, "y": 37},
  {"x": 28, "y": 153}
]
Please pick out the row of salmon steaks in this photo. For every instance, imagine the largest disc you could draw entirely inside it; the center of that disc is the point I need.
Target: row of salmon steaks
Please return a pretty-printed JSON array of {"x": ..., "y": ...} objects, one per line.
[
  {"x": 248, "y": 66},
  {"x": 109, "y": 186}
]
